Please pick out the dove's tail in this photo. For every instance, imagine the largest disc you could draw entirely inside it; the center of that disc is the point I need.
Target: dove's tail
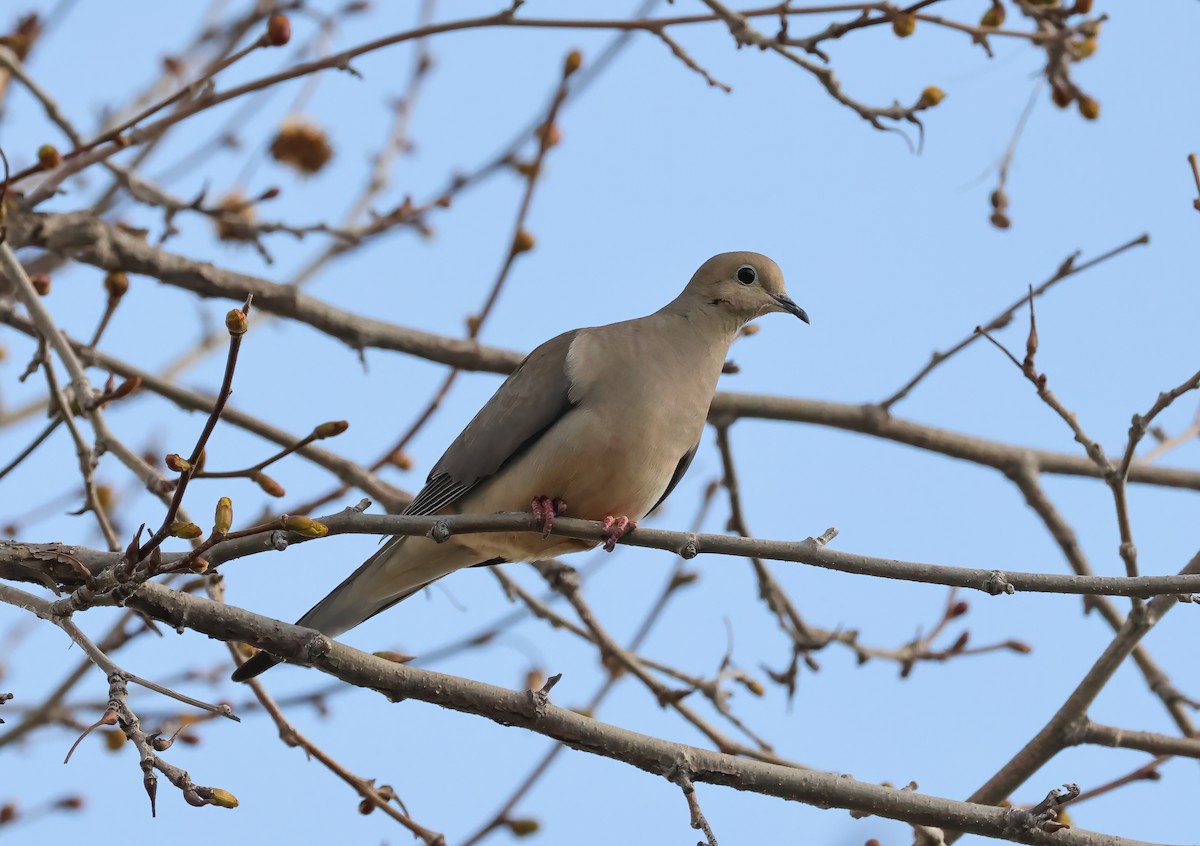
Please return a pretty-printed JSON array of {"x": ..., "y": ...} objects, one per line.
[{"x": 401, "y": 568}]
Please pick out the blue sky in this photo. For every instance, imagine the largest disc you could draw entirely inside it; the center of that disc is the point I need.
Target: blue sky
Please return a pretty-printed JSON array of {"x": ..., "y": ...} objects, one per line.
[{"x": 890, "y": 253}]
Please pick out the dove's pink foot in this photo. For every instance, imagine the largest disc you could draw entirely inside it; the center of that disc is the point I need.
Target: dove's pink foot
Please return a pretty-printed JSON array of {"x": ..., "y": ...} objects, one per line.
[
  {"x": 545, "y": 510},
  {"x": 616, "y": 528}
]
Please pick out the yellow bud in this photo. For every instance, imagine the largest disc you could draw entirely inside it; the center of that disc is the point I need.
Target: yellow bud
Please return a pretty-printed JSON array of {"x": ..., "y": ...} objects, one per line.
[
  {"x": 401, "y": 460},
  {"x": 236, "y": 322},
  {"x": 994, "y": 16},
  {"x": 198, "y": 566},
  {"x": 331, "y": 429},
  {"x": 523, "y": 827},
  {"x": 106, "y": 497},
  {"x": 523, "y": 242},
  {"x": 222, "y": 798},
  {"x": 1089, "y": 108},
  {"x": 305, "y": 526},
  {"x": 930, "y": 97},
  {"x": 48, "y": 156},
  {"x": 223, "y": 518},
  {"x": 1082, "y": 49},
  {"x": 114, "y": 739},
  {"x": 184, "y": 529},
  {"x": 573, "y": 62},
  {"x": 904, "y": 24}
]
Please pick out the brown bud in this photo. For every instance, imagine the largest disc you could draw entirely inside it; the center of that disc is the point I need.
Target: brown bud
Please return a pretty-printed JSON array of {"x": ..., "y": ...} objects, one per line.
[
  {"x": 116, "y": 283},
  {"x": 178, "y": 463},
  {"x": 523, "y": 827},
  {"x": 223, "y": 517},
  {"x": 236, "y": 322},
  {"x": 534, "y": 679},
  {"x": 305, "y": 526},
  {"x": 904, "y": 24},
  {"x": 523, "y": 242},
  {"x": 550, "y": 135},
  {"x": 401, "y": 460},
  {"x": 1082, "y": 7},
  {"x": 270, "y": 194},
  {"x": 41, "y": 283},
  {"x": 994, "y": 16},
  {"x": 8, "y": 813},
  {"x": 198, "y": 566},
  {"x": 1000, "y": 220},
  {"x": 331, "y": 429},
  {"x": 753, "y": 685},
  {"x": 184, "y": 529},
  {"x": 125, "y": 388},
  {"x": 114, "y": 740},
  {"x": 279, "y": 30},
  {"x": 1061, "y": 97},
  {"x": 1019, "y": 646},
  {"x": 269, "y": 486},
  {"x": 1089, "y": 108},
  {"x": 572, "y": 63},
  {"x": 958, "y": 609},
  {"x": 48, "y": 156},
  {"x": 473, "y": 324},
  {"x": 69, "y": 803},
  {"x": 443, "y": 202},
  {"x": 394, "y": 657}
]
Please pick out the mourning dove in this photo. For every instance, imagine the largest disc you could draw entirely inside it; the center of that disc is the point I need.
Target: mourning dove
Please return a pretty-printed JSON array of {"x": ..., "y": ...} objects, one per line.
[{"x": 603, "y": 420}]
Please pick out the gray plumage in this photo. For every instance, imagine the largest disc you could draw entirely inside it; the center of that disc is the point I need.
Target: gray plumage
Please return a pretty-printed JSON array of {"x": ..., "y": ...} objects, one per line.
[{"x": 605, "y": 418}]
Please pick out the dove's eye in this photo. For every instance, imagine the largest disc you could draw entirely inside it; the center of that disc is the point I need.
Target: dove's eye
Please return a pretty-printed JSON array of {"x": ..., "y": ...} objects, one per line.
[{"x": 747, "y": 275}]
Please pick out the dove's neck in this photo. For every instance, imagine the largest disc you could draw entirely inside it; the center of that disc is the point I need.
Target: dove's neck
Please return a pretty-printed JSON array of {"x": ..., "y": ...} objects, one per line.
[{"x": 706, "y": 324}]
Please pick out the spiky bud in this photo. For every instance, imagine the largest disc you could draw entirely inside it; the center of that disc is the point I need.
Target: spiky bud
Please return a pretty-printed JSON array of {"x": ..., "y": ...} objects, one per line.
[{"x": 302, "y": 145}]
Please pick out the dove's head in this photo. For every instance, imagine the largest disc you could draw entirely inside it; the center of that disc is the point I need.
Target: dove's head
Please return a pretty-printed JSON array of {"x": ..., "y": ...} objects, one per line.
[{"x": 747, "y": 285}]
